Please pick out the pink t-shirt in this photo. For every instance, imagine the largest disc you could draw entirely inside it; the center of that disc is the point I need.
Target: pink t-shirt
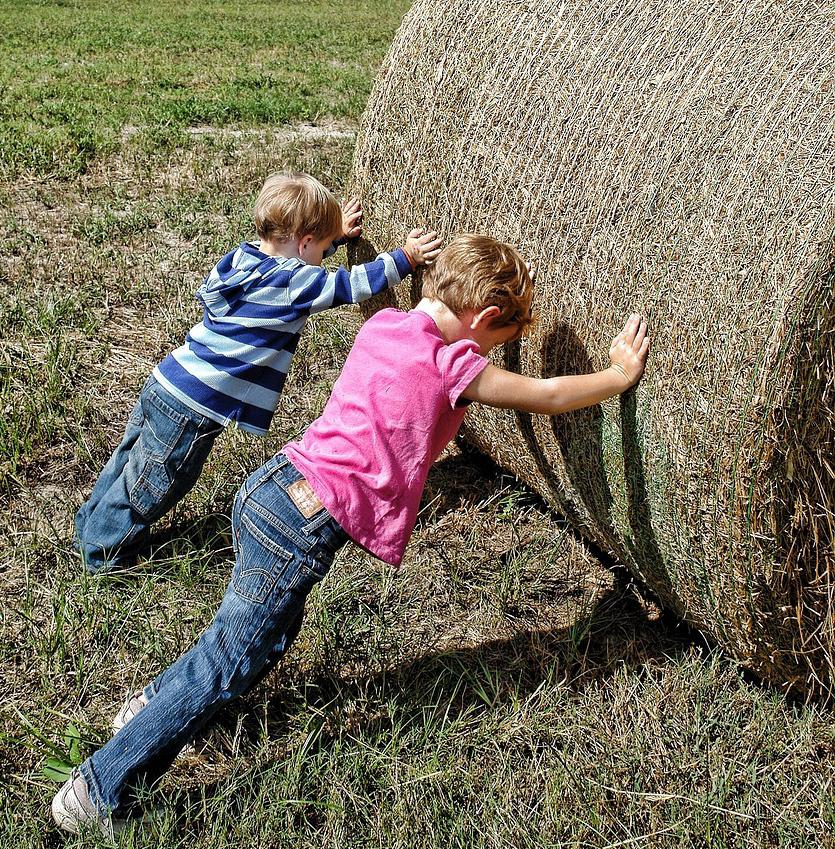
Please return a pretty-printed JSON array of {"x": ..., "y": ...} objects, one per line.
[{"x": 391, "y": 412}]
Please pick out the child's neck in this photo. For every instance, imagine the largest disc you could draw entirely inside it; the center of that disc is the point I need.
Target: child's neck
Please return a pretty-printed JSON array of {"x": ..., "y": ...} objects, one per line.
[
  {"x": 289, "y": 249},
  {"x": 450, "y": 326},
  {"x": 474, "y": 324}
]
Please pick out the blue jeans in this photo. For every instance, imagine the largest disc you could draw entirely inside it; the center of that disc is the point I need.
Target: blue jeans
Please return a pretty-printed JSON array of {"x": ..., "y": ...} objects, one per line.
[
  {"x": 157, "y": 462},
  {"x": 280, "y": 554}
]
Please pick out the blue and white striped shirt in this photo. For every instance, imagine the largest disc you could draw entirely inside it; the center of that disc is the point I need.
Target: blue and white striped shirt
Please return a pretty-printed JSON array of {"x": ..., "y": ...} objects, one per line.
[{"x": 233, "y": 364}]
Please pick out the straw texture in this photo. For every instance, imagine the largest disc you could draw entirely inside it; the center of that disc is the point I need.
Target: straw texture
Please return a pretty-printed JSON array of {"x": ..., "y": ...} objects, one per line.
[{"x": 674, "y": 158}]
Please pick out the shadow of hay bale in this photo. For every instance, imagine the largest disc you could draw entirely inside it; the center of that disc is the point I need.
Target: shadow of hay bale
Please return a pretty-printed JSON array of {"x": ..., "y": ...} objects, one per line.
[
  {"x": 619, "y": 634},
  {"x": 682, "y": 165}
]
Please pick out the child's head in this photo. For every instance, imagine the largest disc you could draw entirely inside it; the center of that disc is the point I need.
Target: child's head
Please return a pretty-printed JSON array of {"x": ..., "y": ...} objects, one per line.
[
  {"x": 291, "y": 206},
  {"x": 473, "y": 272}
]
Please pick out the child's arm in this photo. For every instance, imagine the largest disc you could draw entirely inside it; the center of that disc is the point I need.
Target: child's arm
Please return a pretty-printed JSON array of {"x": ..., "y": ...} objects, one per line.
[
  {"x": 313, "y": 288},
  {"x": 628, "y": 356}
]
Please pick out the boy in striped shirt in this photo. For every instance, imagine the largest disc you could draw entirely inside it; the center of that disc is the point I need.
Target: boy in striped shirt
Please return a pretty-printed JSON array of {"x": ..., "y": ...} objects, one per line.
[{"x": 233, "y": 364}]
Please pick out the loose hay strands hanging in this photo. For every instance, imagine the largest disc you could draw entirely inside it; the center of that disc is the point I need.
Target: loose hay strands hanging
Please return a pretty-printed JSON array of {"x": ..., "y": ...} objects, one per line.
[{"x": 672, "y": 158}]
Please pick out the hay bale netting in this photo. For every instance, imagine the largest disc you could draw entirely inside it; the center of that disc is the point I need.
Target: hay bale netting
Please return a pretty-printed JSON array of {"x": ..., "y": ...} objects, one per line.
[{"x": 675, "y": 158}]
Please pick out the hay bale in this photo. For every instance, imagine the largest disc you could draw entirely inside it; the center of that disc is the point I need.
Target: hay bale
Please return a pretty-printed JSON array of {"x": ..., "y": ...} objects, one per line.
[{"x": 675, "y": 158}]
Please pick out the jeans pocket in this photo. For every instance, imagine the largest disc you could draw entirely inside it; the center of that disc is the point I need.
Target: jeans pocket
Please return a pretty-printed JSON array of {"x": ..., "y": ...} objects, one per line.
[
  {"x": 149, "y": 492},
  {"x": 261, "y": 563},
  {"x": 155, "y": 452}
]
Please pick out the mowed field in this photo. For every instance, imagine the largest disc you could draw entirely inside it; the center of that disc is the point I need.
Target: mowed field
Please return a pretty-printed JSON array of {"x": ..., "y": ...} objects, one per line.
[{"x": 501, "y": 689}]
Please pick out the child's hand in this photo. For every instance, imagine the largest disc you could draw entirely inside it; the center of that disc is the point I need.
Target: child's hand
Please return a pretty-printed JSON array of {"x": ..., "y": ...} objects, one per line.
[
  {"x": 351, "y": 218},
  {"x": 422, "y": 248},
  {"x": 628, "y": 354}
]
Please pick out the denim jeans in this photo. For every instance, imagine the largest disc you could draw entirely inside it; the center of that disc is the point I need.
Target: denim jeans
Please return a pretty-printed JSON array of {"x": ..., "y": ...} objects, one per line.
[
  {"x": 280, "y": 554},
  {"x": 156, "y": 464}
]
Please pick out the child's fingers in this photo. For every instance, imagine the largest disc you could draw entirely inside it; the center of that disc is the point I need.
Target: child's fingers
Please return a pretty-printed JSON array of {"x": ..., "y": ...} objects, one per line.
[
  {"x": 416, "y": 233},
  {"x": 430, "y": 241},
  {"x": 630, "y": 328},
  {"x": 350, "y": 205},
  {"x": 640, "y": 333}
]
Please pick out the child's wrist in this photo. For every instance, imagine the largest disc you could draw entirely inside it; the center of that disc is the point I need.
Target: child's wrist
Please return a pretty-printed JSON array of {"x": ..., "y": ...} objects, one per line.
[
  {"x": 412, "y": 260},
  {"x": 621, "y": 372}
]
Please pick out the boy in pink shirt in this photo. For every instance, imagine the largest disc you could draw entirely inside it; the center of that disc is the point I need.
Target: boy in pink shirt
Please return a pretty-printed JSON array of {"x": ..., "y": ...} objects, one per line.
[{"x": 356, "y": 474}]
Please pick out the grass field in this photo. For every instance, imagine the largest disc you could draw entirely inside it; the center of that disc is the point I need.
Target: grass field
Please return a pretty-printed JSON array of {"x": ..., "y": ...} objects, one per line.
[{"x": 501, "y": 689}]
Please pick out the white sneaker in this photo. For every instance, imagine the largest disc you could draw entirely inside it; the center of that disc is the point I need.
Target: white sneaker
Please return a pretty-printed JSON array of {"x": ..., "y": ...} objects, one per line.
[
  {"x": 72, "y": 809},
  {"x": 129, "y": 709}
]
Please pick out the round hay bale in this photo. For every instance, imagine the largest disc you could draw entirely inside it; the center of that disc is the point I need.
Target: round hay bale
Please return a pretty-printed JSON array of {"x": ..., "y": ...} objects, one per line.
[{"x": 676, "y": 159}]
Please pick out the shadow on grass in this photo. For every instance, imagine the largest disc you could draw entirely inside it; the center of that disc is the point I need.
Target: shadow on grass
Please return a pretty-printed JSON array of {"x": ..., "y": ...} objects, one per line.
[{"x": 619, "y": 633}]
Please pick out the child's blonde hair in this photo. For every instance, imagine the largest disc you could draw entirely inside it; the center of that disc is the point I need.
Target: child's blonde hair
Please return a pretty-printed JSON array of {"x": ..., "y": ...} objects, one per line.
[
  {"x": 473, "y": 272},
  {"x": 292, "y": 205}
]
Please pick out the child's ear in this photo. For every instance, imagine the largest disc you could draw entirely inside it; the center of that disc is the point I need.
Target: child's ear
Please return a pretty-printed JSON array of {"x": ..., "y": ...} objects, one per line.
[
  {"x": 483, "y": 318},
  {"x": 304, "y": 243}
]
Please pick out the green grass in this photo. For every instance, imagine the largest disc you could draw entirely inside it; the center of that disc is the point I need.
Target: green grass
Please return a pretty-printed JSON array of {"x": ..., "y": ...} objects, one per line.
[
  {"x": 501, "y": 689},
  {"x": 74, "y": 76}
]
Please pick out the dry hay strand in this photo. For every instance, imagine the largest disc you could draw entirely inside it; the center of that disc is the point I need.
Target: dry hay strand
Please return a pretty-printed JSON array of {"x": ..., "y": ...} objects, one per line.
[{"x": 672, "y": 158}]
